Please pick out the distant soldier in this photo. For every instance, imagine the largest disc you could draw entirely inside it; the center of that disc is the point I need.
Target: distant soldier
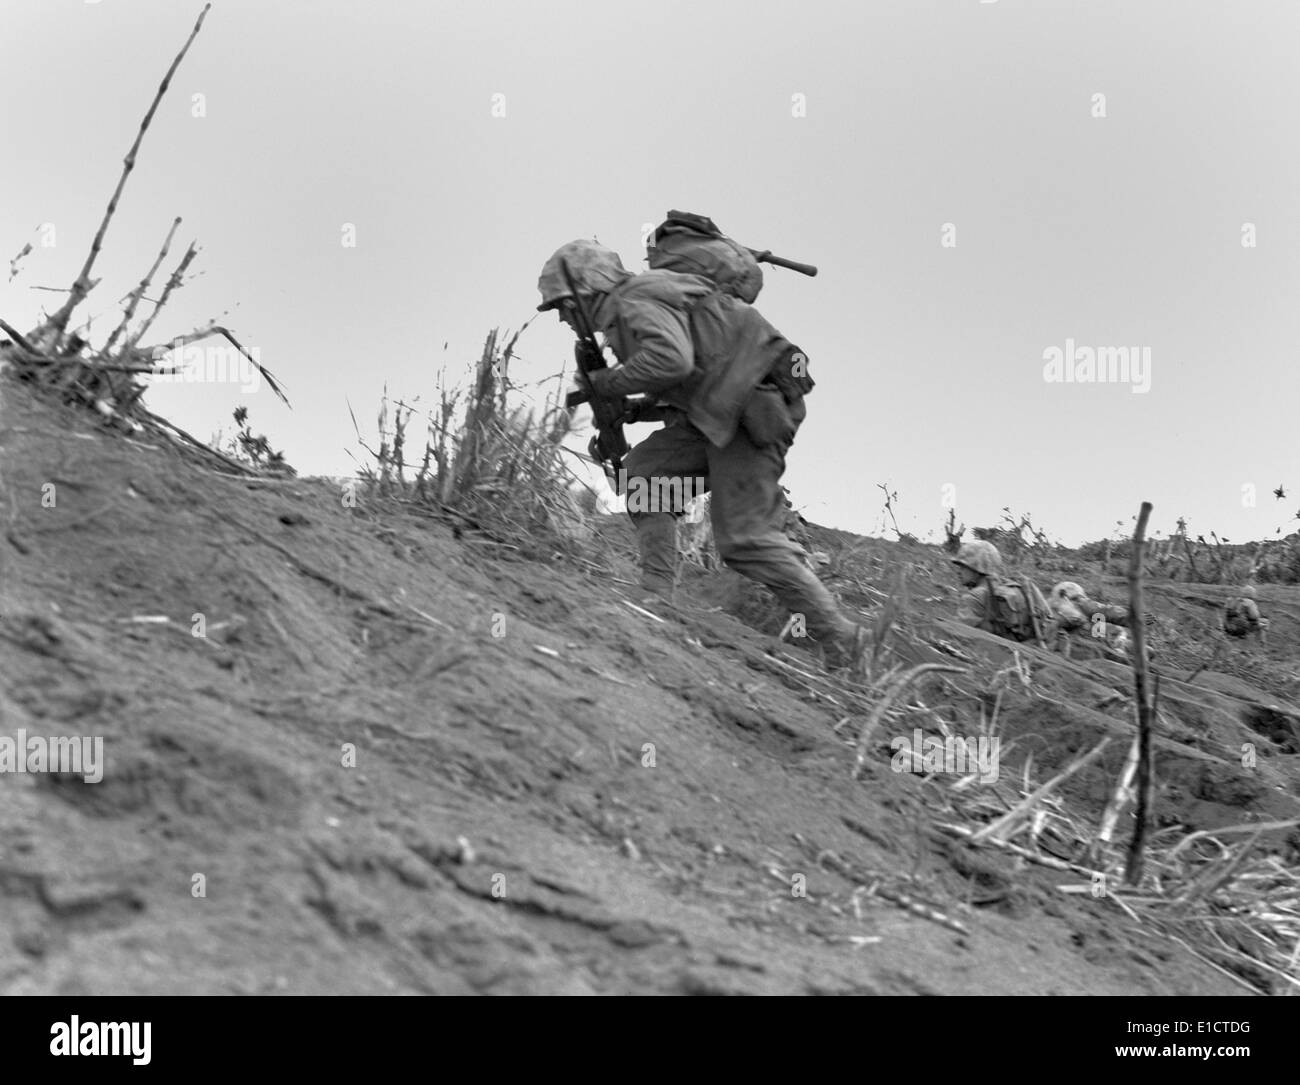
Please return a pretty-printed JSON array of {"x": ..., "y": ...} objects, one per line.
[
  {"x": 1004, "y": 608},
  {"x": 1241, "y": 617},
  {"x": 1073, "y": 612}
]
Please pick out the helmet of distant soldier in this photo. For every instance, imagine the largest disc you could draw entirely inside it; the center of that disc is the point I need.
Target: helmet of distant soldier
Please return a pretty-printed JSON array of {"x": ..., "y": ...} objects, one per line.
[
  {"x": 981, "y": 555},
  {"x": 595, "y": 270},
  {"x": 1068, "y": 589}
]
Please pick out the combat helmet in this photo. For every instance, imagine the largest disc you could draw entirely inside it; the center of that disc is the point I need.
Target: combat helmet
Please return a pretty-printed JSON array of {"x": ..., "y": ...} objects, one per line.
[
  {"x": 1068, "y": 589},
  {"x": 982, "y": 556},
  {"x": 595, "y": 270}
]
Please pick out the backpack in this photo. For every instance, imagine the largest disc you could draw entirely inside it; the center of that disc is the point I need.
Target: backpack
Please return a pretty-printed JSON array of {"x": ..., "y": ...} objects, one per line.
[
  {"x": 693, "y": 245},
  {"x": 1013, "y": 609},
  {"x": 1237, "y": 620}
]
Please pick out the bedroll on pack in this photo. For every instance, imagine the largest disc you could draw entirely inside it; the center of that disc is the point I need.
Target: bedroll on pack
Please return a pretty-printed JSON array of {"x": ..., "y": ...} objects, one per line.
[
  {"x": 693, "y": 245},
  {"x": 1237, "y": 619}
]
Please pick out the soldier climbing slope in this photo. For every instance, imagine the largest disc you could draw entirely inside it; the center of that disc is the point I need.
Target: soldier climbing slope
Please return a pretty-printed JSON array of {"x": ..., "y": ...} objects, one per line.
[
  {"x": 731, "y": 389},
  {"x": 1241, "y": 617}
]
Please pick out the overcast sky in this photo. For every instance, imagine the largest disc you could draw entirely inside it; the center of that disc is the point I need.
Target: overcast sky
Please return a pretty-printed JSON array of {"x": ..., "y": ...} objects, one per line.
[{"x": 856, "y": 136}]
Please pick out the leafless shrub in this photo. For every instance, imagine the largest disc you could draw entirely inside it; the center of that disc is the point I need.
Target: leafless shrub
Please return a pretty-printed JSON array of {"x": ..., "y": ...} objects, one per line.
[
  {"x": 952, "y": 533},
  {"x": 251, "y": 448},
  {"x": 108, "y": 377}
]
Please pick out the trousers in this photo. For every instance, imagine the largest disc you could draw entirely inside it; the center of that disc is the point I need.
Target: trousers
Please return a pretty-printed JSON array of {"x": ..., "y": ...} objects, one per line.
[{"x": 749, "y": 514}]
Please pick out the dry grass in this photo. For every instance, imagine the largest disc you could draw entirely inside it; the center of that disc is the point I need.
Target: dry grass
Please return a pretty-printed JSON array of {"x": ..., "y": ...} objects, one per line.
[
  {"x": 484, "y": 458},
  {"x": 695, "y": 535},
  {"x": 1218, "y": 893}
]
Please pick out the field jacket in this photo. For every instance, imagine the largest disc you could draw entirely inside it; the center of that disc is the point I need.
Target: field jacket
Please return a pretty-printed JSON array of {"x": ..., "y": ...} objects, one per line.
[{"x": 694, "y": 348}]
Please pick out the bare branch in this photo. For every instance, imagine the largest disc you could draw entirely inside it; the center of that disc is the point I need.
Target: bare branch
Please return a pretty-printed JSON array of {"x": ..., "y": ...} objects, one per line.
[
  {"x": 8, "y": 329},
  {"x": 174, "y": 280},
  {"x": 83, "y": 285},
  {"x": 138, "y": 293},
  {"x": 151, "y": 353}
]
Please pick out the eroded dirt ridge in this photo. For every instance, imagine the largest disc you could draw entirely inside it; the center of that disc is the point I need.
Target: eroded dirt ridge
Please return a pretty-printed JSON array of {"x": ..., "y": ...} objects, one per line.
[{"x": 351, "y": 784}]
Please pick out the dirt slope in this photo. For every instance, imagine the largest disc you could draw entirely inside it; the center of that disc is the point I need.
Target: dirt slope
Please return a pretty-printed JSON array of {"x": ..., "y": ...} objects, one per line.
[{"x": 501, "y": 830}]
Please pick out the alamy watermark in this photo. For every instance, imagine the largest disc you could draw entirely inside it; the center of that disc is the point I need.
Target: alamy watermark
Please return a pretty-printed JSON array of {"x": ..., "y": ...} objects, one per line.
[
  {"x": 193, "y": 364},
  {"x": 659, "y": 493},
  {"x": 1098, "y": 365},
  {"x": 78, "y": 1037},
  {"x": 953, "y": 754},
  {"x": 79, "y": 755}
]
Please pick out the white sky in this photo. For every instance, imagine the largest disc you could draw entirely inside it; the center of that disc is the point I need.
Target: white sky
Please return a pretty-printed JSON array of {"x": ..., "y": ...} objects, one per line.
[{"x": 1117, "y": 231}]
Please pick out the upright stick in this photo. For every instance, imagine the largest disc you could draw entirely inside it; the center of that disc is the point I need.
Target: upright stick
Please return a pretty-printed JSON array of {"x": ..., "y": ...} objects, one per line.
[{"x": 1145, "y": 706}]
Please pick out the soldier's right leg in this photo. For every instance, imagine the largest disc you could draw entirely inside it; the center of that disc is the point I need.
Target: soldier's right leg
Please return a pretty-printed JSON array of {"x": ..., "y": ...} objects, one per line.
[
  {"x": 749, "y": 529},
  {"x": 663, "y": 472}
]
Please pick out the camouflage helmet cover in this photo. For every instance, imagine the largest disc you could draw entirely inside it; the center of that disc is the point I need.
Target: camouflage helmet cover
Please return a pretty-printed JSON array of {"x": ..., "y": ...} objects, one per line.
[
  {"x": 1068, "y": 589},
  {"x": 595, "y": 270},
  {"x": 981, "y": 555}
]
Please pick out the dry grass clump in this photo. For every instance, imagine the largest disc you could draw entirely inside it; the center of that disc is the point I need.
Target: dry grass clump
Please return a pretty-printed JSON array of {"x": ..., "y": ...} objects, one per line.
[{"x": 484, "y": 459}]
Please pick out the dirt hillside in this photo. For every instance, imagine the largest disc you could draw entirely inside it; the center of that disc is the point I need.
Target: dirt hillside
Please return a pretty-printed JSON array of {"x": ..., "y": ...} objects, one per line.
[{"x": 408, "y": 758}]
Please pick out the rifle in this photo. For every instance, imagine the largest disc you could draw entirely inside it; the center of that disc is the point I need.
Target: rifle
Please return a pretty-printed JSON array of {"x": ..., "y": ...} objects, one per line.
[
  {"x": 608, "y": 446},
  {"x": 1037, "y": 605}
]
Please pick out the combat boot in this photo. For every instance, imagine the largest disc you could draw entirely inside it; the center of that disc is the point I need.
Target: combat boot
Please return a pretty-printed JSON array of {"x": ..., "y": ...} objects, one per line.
[
  {"x": 847, "y": 654},
  {"x": 656, "y": 537}
]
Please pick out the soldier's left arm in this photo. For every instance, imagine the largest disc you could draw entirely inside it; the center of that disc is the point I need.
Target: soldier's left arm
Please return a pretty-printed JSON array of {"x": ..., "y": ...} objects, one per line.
[
  {"x": 655, "y": 344},
  {"x": 972, "y": 608}
]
